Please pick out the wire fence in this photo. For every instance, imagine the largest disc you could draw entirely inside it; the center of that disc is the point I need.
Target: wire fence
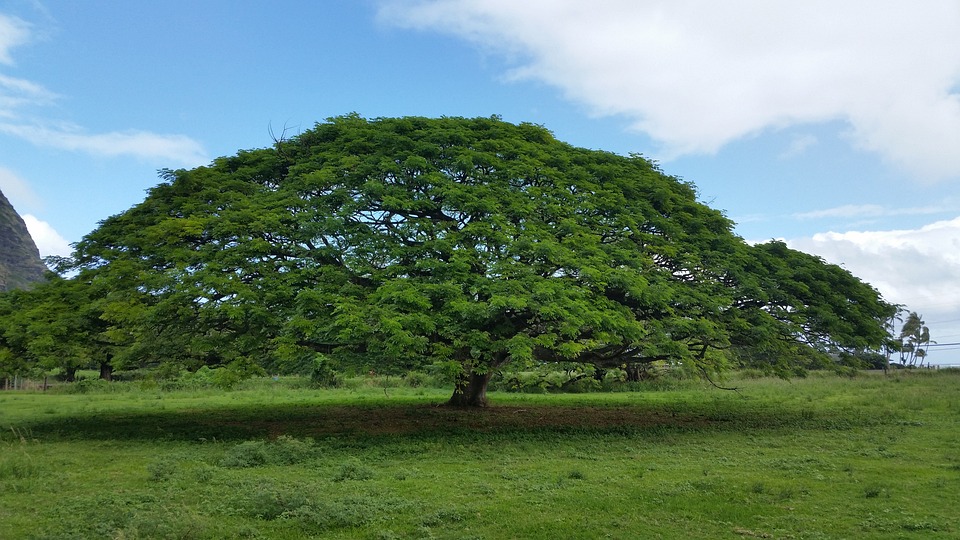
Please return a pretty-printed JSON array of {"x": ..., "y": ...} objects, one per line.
[{"x": 20, "y": 383}]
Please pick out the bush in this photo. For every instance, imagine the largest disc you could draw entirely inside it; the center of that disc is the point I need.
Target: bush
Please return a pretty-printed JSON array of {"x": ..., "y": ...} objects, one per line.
[
  {"x": 86, "y": 386},
  {"x": 162, "y": 469},
  {"x": 417, "y": 379},
  {"x": 288, "y": 450},
  {"x": 267, "y": 501},
  {"x": 283, "y": 451},
  {"x": 222, "y": 378},
  {"x": 322, "y": 374},
  {"x": 575, "y": 378},
  {"x": 246, "y": 454},
  {"x": 353, "y": 470}
]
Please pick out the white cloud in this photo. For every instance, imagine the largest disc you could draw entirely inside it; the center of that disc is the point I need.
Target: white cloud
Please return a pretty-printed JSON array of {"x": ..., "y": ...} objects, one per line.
[
  {"x": 17, "y": 189},
  {"x": 875, "y": 210},
  {"x": 799, "y": 145},
  {"x": 846, "y": 211},
  {"x": 13, "y": 32},
  {"x": 178, "y": 149},
  {"x": 696, "y": 75},
  {"x": 915, "y": 267},
  {"x": 48, "y": 240},
  {"x": 15, "y": 94}
]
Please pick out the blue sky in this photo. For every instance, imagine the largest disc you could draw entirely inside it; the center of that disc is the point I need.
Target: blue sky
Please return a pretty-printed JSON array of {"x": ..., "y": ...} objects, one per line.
[{"x": 834, "y": 126}]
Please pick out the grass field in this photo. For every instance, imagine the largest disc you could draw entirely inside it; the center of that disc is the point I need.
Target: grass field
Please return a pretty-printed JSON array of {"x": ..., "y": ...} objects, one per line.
[{"x": 874, "y": 456}]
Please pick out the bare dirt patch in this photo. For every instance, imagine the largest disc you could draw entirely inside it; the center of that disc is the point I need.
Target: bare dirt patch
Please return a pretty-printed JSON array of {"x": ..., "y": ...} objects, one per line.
[{"x": 353, "y": 420}]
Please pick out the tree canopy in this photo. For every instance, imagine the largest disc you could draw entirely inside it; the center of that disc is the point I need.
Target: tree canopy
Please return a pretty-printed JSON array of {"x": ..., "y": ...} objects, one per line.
[{"x": 395, "y": 242}]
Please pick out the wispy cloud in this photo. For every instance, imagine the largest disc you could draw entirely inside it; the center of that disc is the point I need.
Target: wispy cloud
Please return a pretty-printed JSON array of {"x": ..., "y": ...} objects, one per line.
[
  {"x": 17, "y": 189},
  {"x": 17, "y": 94},
  {"x": 799, "y": 145},
  {"x": 178, "y": 149},
  {"x": 13, "y": 33},
  {"x": 696, "y": 75},
  {"x": 845, "y": 211},
  {"x": 875, "y": 210}
]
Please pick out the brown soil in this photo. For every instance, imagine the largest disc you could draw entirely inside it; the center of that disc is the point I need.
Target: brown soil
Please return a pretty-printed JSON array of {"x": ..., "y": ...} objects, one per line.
[{"x": 355, "y": 420}]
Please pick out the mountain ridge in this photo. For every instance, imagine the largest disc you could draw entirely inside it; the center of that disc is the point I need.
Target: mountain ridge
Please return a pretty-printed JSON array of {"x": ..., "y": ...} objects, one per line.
[{"x": 20, "y": 262}]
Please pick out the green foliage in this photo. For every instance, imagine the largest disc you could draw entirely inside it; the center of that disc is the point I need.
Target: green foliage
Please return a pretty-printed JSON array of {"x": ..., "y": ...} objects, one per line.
[
  {"x": 222, "y": 378},
  {"x": 397, "y": 244},
  {"x": 246, "y": 454},
  {"x": 322, "y": 374},
  {"x": 353, "y": 469},
  {"x": 284, "y": 450},
  {"x": 162, "y": 469},
  {"x": 268, "y": 501},
  {"x": 914, "y": 340}
]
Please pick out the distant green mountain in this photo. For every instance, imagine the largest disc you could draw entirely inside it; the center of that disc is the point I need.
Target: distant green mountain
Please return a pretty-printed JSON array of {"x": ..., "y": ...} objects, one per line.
[{"x": 20, "y": 263}]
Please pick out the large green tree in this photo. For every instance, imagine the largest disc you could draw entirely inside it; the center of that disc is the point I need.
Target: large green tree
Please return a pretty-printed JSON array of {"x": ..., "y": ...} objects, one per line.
[
  {"x": 470, "y": 242},
  {"x": 52, "y": 326}
]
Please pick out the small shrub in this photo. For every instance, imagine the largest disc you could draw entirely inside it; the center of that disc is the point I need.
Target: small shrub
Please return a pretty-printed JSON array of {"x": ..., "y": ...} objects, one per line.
[
  {"x": 203, "y": 473},
  {"x": 246, "y": 454},
  {"x": 284, "y": 450},
  {"x": 322, "y": 374},
  {"x": 441, "y": 516},
  {"x": 786, "y": 494},
  {"x": 326, "y": 515},
  {"x": 417, "y": 379},
  {"x": 353, "y": 470},
  {"x": 226, "y": 378},
  {"x": 288, "y": 450},
  {"x": 919, "y": 526},
  {"x": 87, "y": 386},
  {"x": 267, "y": 501},
  {"x": 162, "y": 469}
]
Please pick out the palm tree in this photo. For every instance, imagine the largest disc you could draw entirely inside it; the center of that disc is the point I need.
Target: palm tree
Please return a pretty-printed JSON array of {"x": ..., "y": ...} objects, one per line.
[{"x": 917, "y": 337}]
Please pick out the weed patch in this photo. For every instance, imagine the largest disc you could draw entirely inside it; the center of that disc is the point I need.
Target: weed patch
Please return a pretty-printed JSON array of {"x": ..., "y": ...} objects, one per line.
[
  {"x": 162, "y": 469},
  {"x": 284, "y": 450},
  {"x": 353, "y": 469}
]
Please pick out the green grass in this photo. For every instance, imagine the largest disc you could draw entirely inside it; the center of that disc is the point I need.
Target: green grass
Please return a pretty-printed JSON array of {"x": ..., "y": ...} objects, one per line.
[{"x": 823, "y": 457}]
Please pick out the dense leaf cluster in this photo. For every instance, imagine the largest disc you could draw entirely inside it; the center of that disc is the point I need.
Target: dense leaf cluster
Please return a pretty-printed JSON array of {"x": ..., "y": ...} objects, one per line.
[{"x": 391, "y": 243}]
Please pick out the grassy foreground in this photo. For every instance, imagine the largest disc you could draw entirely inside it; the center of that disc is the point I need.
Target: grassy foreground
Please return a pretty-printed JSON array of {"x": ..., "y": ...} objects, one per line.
[{"x": 824, "y": 457}]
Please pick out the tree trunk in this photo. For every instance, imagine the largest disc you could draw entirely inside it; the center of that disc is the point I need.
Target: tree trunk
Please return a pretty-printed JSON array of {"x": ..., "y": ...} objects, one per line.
[
  {"x": 70, "y": 374},
  {"x": 471, "y": 390},
  {"x": 106, "y": 371}
]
